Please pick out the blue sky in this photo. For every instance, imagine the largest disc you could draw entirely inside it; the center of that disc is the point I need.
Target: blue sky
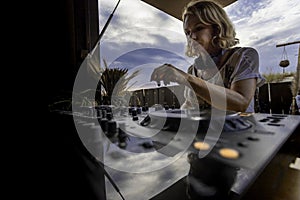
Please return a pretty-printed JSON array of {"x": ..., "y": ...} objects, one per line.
[{"x": 137, "y": 28}]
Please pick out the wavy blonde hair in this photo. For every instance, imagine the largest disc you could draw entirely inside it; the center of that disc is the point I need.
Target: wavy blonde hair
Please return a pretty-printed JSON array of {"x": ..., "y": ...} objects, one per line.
[{"x": 211, "y": 13}]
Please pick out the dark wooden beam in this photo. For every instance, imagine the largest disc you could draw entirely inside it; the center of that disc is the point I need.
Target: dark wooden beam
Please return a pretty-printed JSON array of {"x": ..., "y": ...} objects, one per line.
[
  {"x": 175, "y": 7},
  {"x": 289, "y": 43}
]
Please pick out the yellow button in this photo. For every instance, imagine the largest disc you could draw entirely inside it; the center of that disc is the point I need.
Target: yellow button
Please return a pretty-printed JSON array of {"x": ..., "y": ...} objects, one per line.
[
  {"x": 229, "y": 153},
  {"x": 201, "y": 145}
]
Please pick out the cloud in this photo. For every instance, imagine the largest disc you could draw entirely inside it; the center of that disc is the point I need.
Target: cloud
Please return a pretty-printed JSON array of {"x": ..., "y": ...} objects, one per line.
[
  {"x": 152, "y": 38},
  {"x": 133, "y": 14},
  {"x": 261, "y": 24},
  {"x": 145, "y": 60},
  {"x": 268, "y": 18}
]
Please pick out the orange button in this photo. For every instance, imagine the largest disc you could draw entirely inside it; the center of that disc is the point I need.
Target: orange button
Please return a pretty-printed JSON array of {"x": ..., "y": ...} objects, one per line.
[
  {"x": 229, "y": 153},
  {"x": 201, "y": 145}
]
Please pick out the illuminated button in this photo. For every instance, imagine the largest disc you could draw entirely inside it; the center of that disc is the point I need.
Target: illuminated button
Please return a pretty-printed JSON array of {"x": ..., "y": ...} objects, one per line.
[
  {"x": 201, "y": 145},
  {"x": 245, "y": 114},
  {"x": 229, "y": 153}
]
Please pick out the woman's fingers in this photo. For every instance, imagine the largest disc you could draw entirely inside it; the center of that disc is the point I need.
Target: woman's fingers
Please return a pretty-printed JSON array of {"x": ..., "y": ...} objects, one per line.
[{"x": 166, "y": 73}]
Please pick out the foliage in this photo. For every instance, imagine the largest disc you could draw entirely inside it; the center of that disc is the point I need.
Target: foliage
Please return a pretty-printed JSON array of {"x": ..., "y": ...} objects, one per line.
[
  {"x": 277, "y": 77},
  {"x": 64, "y": 101},
  {"x": 114, "y": 80},
  {"x": 111, "y": 80}
]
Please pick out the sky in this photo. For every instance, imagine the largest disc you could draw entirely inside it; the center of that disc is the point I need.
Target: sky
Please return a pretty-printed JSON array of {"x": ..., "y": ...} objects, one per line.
[{"x": 140, "y": 34}]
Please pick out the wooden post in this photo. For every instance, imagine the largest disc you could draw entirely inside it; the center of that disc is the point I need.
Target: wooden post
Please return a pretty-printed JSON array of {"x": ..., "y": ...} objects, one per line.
[{"x": 295, "y": 85}]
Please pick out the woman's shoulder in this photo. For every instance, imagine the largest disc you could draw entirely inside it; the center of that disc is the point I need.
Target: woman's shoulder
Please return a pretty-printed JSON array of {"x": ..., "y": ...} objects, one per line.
[
  {"x": 245, "y": 50},
  {"x": 236, "y": 53},
  {"x": 245, "y": 53},
  {"x": 242, "y": 49}
]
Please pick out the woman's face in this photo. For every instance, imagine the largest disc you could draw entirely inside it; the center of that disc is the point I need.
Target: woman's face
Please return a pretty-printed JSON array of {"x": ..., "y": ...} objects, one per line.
[{"x": 199, "y": 32}]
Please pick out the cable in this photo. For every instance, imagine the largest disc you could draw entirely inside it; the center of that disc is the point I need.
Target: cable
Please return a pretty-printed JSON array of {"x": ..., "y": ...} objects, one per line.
[{"x": 106, "y": 25}]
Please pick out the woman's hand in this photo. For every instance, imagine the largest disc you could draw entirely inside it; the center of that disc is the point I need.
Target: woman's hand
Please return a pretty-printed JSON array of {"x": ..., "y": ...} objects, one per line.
[{"x": 168, "y": 73}]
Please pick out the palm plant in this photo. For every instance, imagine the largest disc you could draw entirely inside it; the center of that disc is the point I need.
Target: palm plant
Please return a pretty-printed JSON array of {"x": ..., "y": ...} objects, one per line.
[{"x": 114, "y": 81}]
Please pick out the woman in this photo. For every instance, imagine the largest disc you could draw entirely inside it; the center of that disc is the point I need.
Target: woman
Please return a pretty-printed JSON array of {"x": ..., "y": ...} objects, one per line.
[{"x": 228, "y": 78}]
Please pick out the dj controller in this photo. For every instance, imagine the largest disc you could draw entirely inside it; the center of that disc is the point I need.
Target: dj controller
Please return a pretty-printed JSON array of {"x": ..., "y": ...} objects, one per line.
[{"x": 153, "y": 148}]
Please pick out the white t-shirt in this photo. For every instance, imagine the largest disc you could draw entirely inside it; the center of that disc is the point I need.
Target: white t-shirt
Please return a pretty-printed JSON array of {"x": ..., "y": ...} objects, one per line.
[{"x": 242, "y": 64}]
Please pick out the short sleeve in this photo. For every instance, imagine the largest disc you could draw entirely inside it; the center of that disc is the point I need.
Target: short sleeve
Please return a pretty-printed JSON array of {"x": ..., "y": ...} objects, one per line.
[{"x": 247, "y": 66}]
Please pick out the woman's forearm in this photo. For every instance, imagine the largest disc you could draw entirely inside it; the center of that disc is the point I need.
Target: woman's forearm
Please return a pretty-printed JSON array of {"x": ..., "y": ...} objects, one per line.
[{"x": 219, "y": 97}]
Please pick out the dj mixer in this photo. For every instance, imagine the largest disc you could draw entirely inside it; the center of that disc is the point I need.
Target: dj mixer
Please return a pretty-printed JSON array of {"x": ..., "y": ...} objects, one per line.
[{"x": 156, "y": 148}]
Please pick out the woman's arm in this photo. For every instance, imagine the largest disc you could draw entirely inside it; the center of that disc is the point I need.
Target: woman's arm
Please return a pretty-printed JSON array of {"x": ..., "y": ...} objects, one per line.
[{"x": 237, "y": 98}]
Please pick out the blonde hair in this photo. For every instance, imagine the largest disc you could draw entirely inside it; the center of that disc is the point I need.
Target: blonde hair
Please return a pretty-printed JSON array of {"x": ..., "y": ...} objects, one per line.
[{"x": 211, "y": 13}]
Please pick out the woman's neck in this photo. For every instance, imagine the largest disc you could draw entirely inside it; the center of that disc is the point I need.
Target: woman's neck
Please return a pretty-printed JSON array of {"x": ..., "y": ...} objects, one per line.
[
  {"x": 216, "y": 56},
  {"x": 216, "y": 53}
]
